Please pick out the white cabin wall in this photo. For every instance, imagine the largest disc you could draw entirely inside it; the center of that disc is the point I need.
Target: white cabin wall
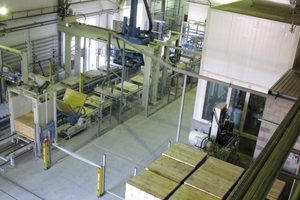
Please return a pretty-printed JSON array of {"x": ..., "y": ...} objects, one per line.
[{"x": 248, "y": 49}]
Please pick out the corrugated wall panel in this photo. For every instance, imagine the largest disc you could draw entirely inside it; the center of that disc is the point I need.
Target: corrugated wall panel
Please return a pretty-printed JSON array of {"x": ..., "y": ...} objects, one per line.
[{"x": 248, "y": 49}]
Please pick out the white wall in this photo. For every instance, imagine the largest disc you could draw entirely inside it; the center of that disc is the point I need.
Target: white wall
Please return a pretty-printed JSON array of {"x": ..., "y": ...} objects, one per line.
[{"x": 247, "y": 51}]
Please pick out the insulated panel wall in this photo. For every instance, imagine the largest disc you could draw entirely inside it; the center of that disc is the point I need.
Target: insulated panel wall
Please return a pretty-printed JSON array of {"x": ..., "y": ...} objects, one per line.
[{"x": 247, "y": 51}]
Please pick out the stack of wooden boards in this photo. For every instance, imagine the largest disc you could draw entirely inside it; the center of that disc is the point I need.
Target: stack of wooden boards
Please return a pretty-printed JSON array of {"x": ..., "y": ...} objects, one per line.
[
  {"x": 183, "y": 172},
  {"x": 24, "y": 125}
]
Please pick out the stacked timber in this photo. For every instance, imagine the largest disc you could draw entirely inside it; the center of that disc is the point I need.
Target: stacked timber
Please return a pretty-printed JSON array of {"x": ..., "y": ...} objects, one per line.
[
  {"x": 182, "y": 172},
  {"x": 24, "y": 125},
  {"x": 163, "y": 176},
  {"x": 215, "y": 177},
  {"x": 148, "y": 185}
]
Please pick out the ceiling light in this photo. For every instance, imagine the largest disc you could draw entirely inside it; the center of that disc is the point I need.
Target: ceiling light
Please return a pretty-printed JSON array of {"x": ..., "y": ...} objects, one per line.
[{"x": 3, "y": 11}]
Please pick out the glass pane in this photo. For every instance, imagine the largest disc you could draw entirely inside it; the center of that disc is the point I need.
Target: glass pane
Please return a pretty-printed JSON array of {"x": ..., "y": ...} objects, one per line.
[
  {"x": 235, "y": 108},
  {"x": 215, "y": 93},
  {"x": 255, "y": 109}
]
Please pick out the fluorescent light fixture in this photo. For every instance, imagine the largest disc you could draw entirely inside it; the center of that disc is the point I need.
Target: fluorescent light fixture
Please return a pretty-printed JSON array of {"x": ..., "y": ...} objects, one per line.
[{"x": 3, "y": 11}]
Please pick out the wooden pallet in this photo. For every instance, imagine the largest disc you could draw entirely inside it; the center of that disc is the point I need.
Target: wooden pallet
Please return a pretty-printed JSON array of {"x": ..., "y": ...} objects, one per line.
[
  {"x": 148, "y": 185},
  {"x": 215, "y": 177},
  {"x": 24, "y": 125},
  {"x": 71, "y": 81},
  {"x": 186, "y": 192},
  {"x": 127, "y": 86},
  {"x": 92, "y": 74},
  {"x": 185, "y": 154},
  {"x": 170, "y": 168}
]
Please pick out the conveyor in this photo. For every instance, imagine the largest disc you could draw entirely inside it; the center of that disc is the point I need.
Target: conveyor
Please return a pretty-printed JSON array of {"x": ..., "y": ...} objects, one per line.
[{"x": 13, "y": 146}]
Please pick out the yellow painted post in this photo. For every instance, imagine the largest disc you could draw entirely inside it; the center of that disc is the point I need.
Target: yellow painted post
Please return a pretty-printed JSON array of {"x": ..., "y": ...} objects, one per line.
[
  {"x": 46, "y": 155},
  {"x": 50, "y": 72},
  {"x": 80, "y": 82},
  {"x": 100, "y": 191}
]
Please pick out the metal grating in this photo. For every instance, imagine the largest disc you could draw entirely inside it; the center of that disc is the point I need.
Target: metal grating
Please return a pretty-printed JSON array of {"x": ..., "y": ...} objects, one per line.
[{"x": 288, "y": 85}]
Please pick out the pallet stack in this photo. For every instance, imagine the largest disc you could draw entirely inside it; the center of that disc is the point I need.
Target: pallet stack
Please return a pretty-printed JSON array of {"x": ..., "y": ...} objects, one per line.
[
  {"x": 162, "y": 177},
  {"x": 24, "y": 125},
  {"x": 183, "y": 172}
]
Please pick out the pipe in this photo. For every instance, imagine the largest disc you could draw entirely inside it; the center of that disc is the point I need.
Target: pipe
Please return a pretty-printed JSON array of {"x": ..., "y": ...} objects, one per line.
[
  {"x": 104, "y": 168},
  {"x": 181, "y": 108}
]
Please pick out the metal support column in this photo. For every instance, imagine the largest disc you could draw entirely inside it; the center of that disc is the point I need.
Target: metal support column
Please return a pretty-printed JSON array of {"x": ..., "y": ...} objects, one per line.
[
  {"x": 164, "y": 71},
  {"x": 155, "y": 76},
  {"x": 68, "y": 39},
  {"x": 146, "y": 83},
  {"x": 99, "y": 117},
  {"x": 2, "y": 86},
  {"x": 181, "y": 108},
  {"x": 78, "y": 55},
  {"x": 122, "y": 83}
]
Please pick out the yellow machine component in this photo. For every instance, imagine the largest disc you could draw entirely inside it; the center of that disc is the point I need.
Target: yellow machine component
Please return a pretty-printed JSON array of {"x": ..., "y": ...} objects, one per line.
[
  {"x": 100, "y": 180},
  {"x": 63, "y": 106},
  {"x": 46, "y": 155},
  {"x": 74, "y": 98},
  {"x": 71, "y": 100}
]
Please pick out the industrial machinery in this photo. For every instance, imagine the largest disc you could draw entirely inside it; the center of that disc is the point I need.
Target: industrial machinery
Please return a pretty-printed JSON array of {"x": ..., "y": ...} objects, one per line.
[
  {"x": 11, "y": 76},
  {"x": 132, "y": 59},
  {"x": 132, "y": 33},
  {"x": 220, "y": 142}
]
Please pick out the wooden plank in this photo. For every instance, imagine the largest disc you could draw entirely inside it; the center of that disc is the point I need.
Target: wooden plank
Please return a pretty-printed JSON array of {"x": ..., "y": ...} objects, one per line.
[
  {"x": 92, "y": 74},
  {"x": 276, "y": 190},
  {"x": 94, "y": 100},
  {"x": 127, "y": 86},
  {"x": 170, "y": 168},
  {"x": 71, "y": 81},
  {"x": 215, "y": 173},
  {"x": 149, "y": 185},
  {"x": 185, "y": 154},
  {"x": 186, "y": 192},
  {"x": 138, "y": 79},
  {"x": 24, "y": 125}
]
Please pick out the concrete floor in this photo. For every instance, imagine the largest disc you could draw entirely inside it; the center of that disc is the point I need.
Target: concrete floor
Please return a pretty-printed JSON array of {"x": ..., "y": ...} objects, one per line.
[{"x": 135, "y": 143}]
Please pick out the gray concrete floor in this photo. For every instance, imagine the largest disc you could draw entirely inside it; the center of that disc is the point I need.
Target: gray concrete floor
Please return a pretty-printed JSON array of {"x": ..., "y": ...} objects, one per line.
[{"x": 135, "y": 143}]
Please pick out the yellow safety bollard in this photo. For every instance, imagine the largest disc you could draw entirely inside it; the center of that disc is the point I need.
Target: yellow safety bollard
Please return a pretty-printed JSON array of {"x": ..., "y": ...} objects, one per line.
[
  {"x": 46, "y": 154},
  {"x": 100, "y": 191}
]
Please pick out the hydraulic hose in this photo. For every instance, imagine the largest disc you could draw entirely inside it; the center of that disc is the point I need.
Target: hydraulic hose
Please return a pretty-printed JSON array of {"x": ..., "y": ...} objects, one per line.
[{"x": 149, "y": 16}]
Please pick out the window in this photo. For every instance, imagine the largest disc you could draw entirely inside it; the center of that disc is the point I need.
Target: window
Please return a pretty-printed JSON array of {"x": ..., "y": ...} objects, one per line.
[
  {"x": 236, "y": 105},
  {"x": 215, "y": 93},
  {"x": 244, "y": 108},
  {"x": 255, "y": 109}
]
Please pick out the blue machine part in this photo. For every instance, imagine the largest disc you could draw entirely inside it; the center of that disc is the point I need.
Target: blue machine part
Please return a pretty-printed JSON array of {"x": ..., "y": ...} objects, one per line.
[
  {"x": 134, "y": 34},
  {"x": 132, "y": 59},
  {"x": 75, "y": 115}
]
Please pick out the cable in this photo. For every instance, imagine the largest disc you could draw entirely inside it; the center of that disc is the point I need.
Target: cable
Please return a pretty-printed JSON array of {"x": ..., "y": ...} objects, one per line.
[
  {"x": 149, "y": 16},
  {"x": 293, "y": 4}
]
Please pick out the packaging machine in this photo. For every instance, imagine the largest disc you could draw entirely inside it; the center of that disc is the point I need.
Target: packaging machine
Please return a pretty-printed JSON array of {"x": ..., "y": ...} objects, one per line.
[{"x": 220, "y": 142}]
